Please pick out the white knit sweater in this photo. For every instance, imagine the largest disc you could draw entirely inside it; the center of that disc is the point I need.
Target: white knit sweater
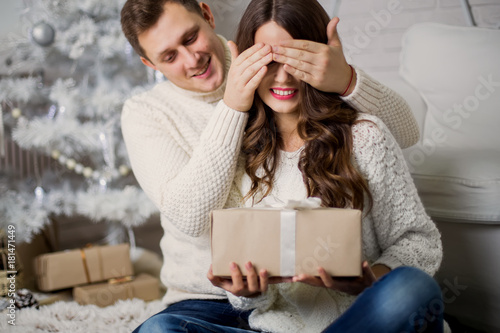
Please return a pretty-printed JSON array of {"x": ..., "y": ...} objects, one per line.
[
  {"x": 183, "y": 148},
  {"x": 396, "y": 232}
]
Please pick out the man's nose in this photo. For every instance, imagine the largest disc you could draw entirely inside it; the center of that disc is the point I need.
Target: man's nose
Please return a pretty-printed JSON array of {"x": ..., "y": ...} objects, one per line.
[{"x": 191, "y": 58}]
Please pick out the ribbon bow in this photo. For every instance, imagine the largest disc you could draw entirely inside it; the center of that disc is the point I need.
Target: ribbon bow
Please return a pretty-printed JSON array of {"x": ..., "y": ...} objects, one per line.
[{"x": 273, "y": 202}]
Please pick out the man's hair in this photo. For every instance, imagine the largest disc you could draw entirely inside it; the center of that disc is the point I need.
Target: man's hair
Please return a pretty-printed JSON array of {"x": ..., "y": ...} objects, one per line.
[{"x": 137, "y": 16}]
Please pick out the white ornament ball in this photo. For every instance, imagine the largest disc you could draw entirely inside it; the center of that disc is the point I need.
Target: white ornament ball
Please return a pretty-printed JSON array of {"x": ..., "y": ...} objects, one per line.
[
  {"x": 87, "y": 172},
  {"x": 55, "y": 154},
  {"x": 62, "y": 159},
  {"x": 79, "y": 168},
  {"x": 124, "y": 170},
  {"x": 43, "y": 34},
  {"x": 71, "y": 164},
  {"x": 16, "y": 113}
]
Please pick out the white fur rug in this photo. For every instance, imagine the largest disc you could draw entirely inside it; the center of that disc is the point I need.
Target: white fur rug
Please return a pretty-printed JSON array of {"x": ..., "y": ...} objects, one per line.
[{"x": 70, "y": 317}]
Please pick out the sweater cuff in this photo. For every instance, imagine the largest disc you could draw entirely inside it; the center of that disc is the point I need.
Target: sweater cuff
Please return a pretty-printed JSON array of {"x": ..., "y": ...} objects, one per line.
[
  {"x": 388, "y": 261},
  {"x": 248, "y": 303},
  {"x": 366, "y": 95},
  {"x": 226, "y": 126}
]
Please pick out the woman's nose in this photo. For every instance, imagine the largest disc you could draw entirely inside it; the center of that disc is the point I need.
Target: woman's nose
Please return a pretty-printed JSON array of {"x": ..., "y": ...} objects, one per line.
[{"x": 281, "y": 74}]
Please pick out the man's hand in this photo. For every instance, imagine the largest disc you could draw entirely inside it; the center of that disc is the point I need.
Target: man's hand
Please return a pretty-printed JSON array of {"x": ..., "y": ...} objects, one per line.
[
  {"x": 323, "y": 66},
  {"x": 246, "y": 72},
  {"x": 254, "y": 284},
  {"x": 351, "y": 286}
]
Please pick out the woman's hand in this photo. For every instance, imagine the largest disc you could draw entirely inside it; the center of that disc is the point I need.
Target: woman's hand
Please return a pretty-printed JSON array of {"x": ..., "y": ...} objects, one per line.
[
  {"x": 323, "y": 66},
  {"x": 254, "y": 284},
  {"x": 246, "y": 72},
  {"x": 351, "y": 286}
]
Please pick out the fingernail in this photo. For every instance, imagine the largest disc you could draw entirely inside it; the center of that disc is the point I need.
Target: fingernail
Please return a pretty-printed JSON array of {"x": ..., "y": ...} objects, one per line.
[
  {"x": 232, "y": 266},
  {"x": 275, "y": 49},
  {"x": 275, "y": 56},
  {"x": 248, "y": 265}
]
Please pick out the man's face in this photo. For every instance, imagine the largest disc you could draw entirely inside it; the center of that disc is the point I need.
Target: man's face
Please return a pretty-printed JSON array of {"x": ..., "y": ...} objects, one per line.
[{"x": 184, "y": 47}]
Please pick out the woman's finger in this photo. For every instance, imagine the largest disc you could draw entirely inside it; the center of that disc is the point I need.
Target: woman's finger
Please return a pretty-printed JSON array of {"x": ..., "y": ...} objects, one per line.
[
  {"x": 264, "y": 282},
  {"x": 233, "y": 49},
  {"x": 368, "y": 274},
  {"x": 237, "y": 279},
  {"x": 326, "y": 278},
  {"x": 252, "y": 278}
]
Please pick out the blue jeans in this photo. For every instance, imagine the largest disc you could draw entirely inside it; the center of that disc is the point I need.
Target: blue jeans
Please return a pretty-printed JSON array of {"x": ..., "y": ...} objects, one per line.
[
  {"x": 406, "y": 300},
  {"x": 197, "y": 316}
]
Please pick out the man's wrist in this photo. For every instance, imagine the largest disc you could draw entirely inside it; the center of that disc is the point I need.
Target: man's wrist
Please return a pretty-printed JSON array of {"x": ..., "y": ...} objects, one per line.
[{"x": 352, "y": 83}]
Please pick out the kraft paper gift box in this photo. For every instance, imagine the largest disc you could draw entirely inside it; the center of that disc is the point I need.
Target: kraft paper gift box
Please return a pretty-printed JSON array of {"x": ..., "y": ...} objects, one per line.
[
  {"x": 143, "y": 286},
  {"x": 71, "y": 268},
  {"x": 287, "y": 242}
]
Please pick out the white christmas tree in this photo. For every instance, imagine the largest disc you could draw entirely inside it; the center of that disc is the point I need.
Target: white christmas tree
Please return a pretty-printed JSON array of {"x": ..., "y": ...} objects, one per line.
[{"x": 61, "y": 150}]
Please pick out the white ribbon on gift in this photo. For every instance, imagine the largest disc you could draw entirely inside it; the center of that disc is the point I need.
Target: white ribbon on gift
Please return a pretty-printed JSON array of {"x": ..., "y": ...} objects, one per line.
[{"x": 288, "y": 227}]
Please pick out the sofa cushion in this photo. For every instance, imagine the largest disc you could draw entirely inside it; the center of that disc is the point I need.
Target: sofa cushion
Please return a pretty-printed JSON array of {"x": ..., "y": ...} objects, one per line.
[
  {"x": 456, "y": 164},
  {"x": 463, "y": 185},
  {"x": 457, "y": 72}
]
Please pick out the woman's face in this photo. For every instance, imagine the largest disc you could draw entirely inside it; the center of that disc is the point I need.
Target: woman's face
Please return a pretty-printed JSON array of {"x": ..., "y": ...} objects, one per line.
[{"x": 278, "y": 90}]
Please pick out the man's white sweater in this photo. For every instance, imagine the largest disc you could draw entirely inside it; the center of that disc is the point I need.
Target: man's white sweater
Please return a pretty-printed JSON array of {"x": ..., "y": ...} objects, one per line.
[{"x": 183, "y": 148}]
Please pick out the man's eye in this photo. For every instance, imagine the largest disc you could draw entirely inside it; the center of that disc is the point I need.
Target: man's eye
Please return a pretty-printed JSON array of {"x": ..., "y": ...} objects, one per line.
[
  {"x": 169, "y": 58},
  {"x": 191, "y": 39}
]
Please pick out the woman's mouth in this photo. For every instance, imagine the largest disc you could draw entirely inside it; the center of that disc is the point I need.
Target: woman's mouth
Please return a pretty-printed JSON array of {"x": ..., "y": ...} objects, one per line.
[
  {"x": 283, "y": 94},
  {"x": 204, "y": 71}
]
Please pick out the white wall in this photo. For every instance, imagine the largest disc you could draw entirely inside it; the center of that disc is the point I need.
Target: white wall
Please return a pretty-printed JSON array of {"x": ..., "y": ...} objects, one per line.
[
  {"x": 9, "y": 24},
  {"x": 9, "y": 17},
  {"x": 227, "y": 14},
  {"x": 372, "y": 45},
  {"x": 371, "y": 30}
]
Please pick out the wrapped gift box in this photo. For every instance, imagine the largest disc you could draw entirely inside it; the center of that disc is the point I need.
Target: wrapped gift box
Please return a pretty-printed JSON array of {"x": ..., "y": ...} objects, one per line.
[
  {"x": 287, "y": 242},
  {"x": 66, "y": 269},
  {"x": 143, "y": 286}
]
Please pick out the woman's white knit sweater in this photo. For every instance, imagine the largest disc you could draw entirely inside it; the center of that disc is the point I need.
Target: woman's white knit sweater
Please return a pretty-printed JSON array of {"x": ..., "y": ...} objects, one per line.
[
  {"x": 183, "y": 148},
  {"x": 396, "y": 232}
]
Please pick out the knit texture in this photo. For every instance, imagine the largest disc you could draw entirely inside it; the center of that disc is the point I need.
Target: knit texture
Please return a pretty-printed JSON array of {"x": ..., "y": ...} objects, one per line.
[
  {"x": 396, "y": 232},
  {"x": 183, "y": 148},
  {"x": 370, "y": 96}
]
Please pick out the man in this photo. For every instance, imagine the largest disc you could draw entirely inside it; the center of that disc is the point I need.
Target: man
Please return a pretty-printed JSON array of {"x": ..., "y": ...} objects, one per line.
[{"x": 184, "y": 135}]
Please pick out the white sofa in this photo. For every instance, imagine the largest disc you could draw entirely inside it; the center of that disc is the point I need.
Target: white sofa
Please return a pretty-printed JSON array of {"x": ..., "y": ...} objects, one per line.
[{"x": 451, "y": 78}]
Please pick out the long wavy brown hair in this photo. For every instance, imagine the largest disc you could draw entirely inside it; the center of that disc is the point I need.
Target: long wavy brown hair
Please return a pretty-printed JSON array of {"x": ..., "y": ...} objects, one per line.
[{"x": 325, "y": 121}]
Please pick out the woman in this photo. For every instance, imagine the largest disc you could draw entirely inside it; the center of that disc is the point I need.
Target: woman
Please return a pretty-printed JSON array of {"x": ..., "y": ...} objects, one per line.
[{"x": 301, "y": 142}]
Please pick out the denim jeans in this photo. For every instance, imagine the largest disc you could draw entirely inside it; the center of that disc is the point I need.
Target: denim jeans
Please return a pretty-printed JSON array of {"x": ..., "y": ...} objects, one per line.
[
  {"x": 197, "y": 316},
  {"x": 406, "y": 300}
]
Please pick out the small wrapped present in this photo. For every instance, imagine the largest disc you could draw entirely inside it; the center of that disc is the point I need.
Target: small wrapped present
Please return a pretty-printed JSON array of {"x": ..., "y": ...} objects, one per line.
[
  {"x": 143, "y": 286},
  {"x": 66, "y": 269},
  {"x": 295, "y": 239}
]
